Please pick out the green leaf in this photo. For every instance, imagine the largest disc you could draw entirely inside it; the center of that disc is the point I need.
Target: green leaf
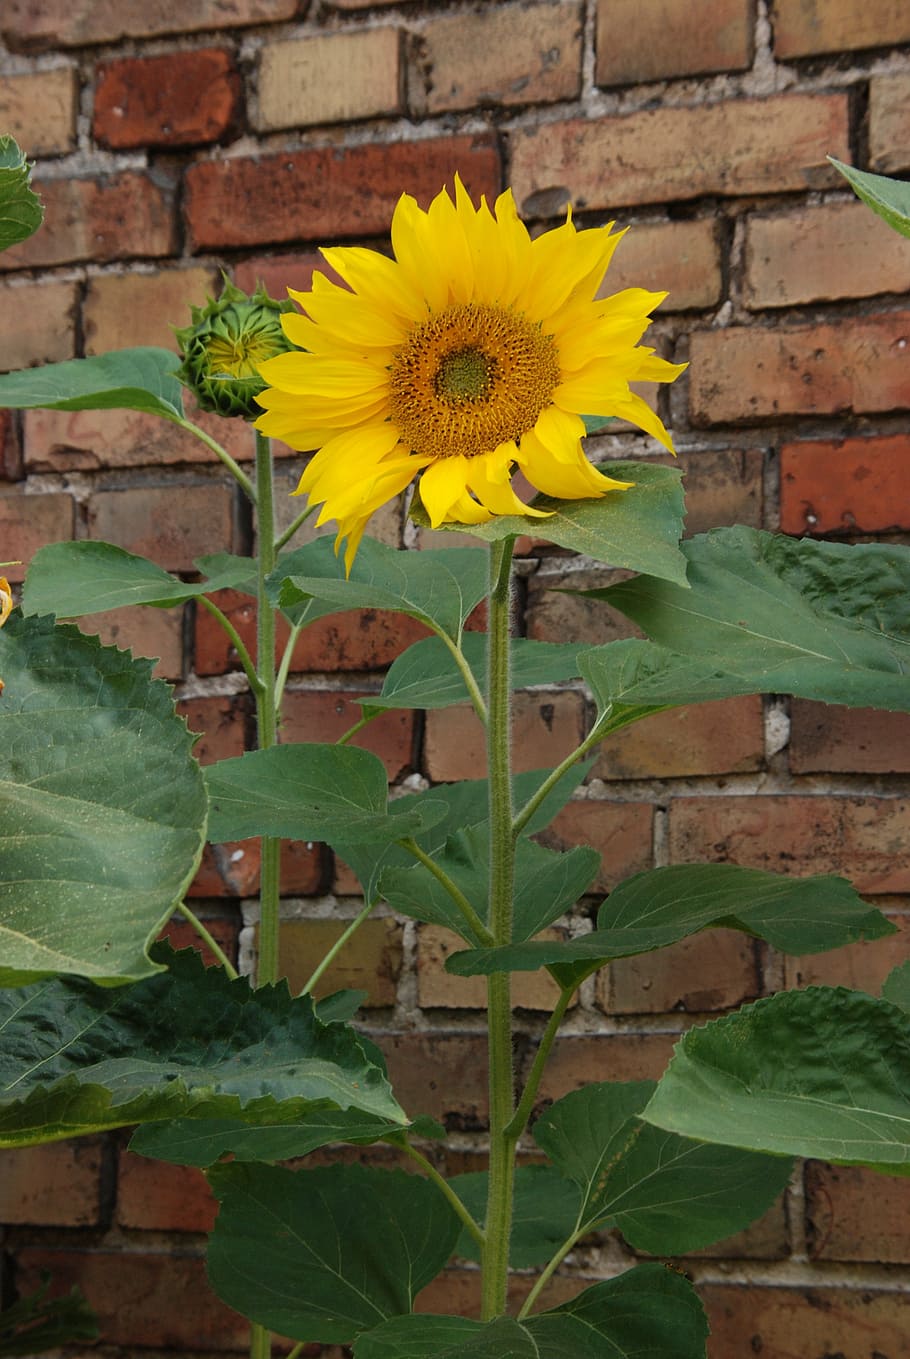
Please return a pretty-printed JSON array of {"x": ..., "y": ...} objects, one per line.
[
  {"x": 281, "y": 1135},
  {"x": 322, "y": 1254},
  {"x": 21, "y": 213},
  {"x": 340, "y": 1007},
  {"x": 307, "y": 792},
  {"x": 639, "y": 528},
  {"x": 822, "y": 1073},
  {"x": 37, "y": 1323},
  {"x": 421, "y": 1336},
  {"x": 821, "y": 620},
  {"x": 102, "y": 806},
  {"x": 544, "y": 1213},
  {"x": 663, "y": 905},
  {"x": 666, "y": 1194},
  {"x": 897, "y": 986},
  {"x": 631, "y": 679},
  {"x": 189, "y": 1042},
  {"x": 127, "y": 379},
  {"x": 890, "y": 198},
  {"x": 426, "y": 676}
]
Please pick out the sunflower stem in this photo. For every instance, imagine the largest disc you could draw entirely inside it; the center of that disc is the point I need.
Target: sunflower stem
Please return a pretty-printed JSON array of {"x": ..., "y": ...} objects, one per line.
[
  {"x": 230, "y": 463},
  {"x": 266, "y": 714},
  {"x": 207, "y": 938}
]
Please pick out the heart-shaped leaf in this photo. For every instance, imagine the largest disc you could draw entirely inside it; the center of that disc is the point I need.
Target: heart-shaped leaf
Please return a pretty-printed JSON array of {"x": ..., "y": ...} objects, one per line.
[
  {"x": 21, "y": 213},
  {"x": 126, "y": 379},
  {"x": 427, "y": 676}
]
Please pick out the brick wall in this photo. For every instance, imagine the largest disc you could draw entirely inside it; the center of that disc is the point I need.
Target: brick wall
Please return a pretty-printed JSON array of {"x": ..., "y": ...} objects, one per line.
[{"x": 174, "y": 139}]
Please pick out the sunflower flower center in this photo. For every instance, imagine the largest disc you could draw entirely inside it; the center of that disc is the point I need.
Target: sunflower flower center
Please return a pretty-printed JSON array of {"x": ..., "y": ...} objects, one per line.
[{"x": 470, "y": 378}]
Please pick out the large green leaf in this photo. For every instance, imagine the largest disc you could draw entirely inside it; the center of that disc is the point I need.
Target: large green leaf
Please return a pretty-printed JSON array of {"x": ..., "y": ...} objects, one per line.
[
  {"x": 280, "y": 1137},
  {"x": 323, "y": 1254},
  {"x": 126, "y": 379},
  {"x": 667, "y": 1194},
  {"x": 639, "y": 528},
  {"x": 422, "y": 1336},
  {"x": 822, "y": 620},
  {"x": 102, "y": 806},
  {"x": 896, "y": 988},
  {"x": 78, "y": 1058},
  {"x": 308, "y": 792},
  {"x": 633, "y": 678},
  {"x": 822, "y": 1072},
  {"x": 663, "y": 905},
  {"x": 37, "y": 1323},
  {"x": 21, "y": 213},
  {"x": 426, "y": 676},
  {"x": 890, "y": 198},
  {"x": 544, "y": 1212}
]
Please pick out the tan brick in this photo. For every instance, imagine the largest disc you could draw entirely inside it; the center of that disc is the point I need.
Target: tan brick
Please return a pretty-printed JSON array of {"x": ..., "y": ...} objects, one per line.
[
  {"x": 708, "y": 738},
  {"x": 123, "y": 310},
  {"x": 855, "y": 1214},
  {"x": 332, "y": 78},
  {"x": 845, "y": 485},
  {"x": 153, "y": 1196},
  {"x": 860, "y": 967},
  {"x": 737, "y": 146},
  {"x": 11, "y": 466},
  {"x": 370, "y": 960},
  {"x": 176, "y": 99},
  {"x": 824, "y": 737},
  {"x": 45, "y": 329},
  {"x": 145, "y": 632},
  {"x": 59, "y": 23},
  {"x": 813, "y": 1323},
  {"x": 443, "y": 1075},
  {"x": 715, "y": 970},
  {"x": 723, "y": 486},
  {"x": 172, "y": 525},
  {"x": 57, "y": 1185},
  {"x": 680, "y": 258},
  {"x": 435, "y": 986},
  {"x": 326, "y": 716},
  {"x": 577, "y": 1060},
  {"x": 556, "y": 617},
  {"x": 38, "y": 108},
  {"x": 889, "y": 123},
  {"x": 88, "y": 219},
  {"x": 621, "y": 832},
  {"x": 545, "y": 728},
  {"x": 658, "y": 41},
  {"x": 504, "y": 54},
  {"x": 751, "y": 373},
  {"x": 28, "y": 522},
  {"x": 803, "y": 28},
  {"x": 823, "y": 253}
]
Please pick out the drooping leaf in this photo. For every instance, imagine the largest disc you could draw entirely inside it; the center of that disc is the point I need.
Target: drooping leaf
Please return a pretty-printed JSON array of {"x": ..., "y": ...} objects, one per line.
[
  {"x": 102, "y": 807},
  {"x": 280, "y": 1136},
  {"x": 890, "y": 198},
  {"x": 426, "y": 675},
  {"x": 823, "y": 1072},
  {"x": 663, "y": 905},
  {"x": 308, "y": 791},
  {"x": 198, "y": 1045},
  {"x": 323, "y": 1254},
  {"x": 897, "y": 986},
  {"x": 126, "y": 379},
  {"x": 37, "y": 1323},
  {"x": 826, "y": 621},
  {"x": 639, "y": 528},
  {"x": 544, "y": 1212},
  {"x": 21, "y": 213}
]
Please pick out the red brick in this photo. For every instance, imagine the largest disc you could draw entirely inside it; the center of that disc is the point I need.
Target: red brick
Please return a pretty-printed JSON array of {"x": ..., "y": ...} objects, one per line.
[
  {"x": 716, "y": 970},
  {"x": 680, "y": 258},
  {"x": 708, "y": 738},
  {"x": 811, "y": 1323},
  {"x": 11, "y": 468},
  {"x": 811, "y": 27},
  {"x": 370, "y": 960},
  {"x": 222, "y": 720},
  {"x": 322, "y": 194},
  {"x": 864, "y": 839},
  {"x": 848, "y": 740},
  {"x": 45, "y": 329},
  {"x": 860, "y": 967},
  {"x": 181, "y": 934},
  {"x": 845, "y": 485},
  {"x": 545, "y": 728},
  {"x": 38, "y": 108},
  {"x": 59, "y": 23},
  {"x": 325, "y": 716},
  {"x": 56, "y": 1185},
  {"x": 89, "y": 219},
  {"x": 658, "y": 41},
  {"x": 577, "y": 1060},
  {"x": 170, "y": 524},
  {"x": 232, "y": 869},
  {"x": 28, "y": 522},
  {"x": 443, "y": 1075},
  {"x": 621, "y": 832},
  {"x": 176, "y": 99},
  {"x": 153, "y": 1196},
  {"x": 736, "y": 146},
  {"x": 123, "y": 310},
  {"x": 144, "y": 632},
  {"x": 889, "y": 123},
  {"x": 278, "y": 272},
  {"x": 752, "y": 373},
  {"x": 855, "y": 1214}
]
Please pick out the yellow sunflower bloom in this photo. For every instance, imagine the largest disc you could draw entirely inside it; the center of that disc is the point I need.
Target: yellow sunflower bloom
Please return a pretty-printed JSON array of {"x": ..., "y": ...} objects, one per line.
[
  {"x": 475, "y": 351},
  {"x": 6, "y": 600}
]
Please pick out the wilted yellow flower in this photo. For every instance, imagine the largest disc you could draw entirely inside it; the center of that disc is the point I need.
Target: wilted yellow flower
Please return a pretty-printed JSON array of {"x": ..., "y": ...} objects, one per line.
[{"x": 475, "y": 351}]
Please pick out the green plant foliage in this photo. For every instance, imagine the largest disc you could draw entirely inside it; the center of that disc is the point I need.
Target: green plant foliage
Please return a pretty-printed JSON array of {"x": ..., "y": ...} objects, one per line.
[
  {"x": 823, "y": 1073},
  {"x": 323, "y": 1254},
  {"x": 890, "y": 198},
  {"x": 37, "y": 1323},
  {"x": 639, "y": 528},
  {"x": 897, "y": 986},
  {"x": 127, "y": 379},
  {"x": 21, "y": 213},
  {"x": 79, "y": 1058},
  {"x": 103, "y": 806},
  {"x": 281, "y": 1136},
  {"x": 785, "y": 615},
  {"x": 544, "y": 1213}
]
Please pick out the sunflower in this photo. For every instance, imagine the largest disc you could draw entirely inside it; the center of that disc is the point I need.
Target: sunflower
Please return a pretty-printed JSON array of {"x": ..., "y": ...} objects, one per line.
[
  {"x": 475, "y": 351},
  {"x": 6, "y": 600}
]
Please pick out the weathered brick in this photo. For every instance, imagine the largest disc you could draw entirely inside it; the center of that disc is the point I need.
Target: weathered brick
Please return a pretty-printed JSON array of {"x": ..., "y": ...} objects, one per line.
[
  {"x": 503, "y": 54},
  {"x": 443, "y": 1075},
  {"x": 89, "y": 219},
  {"x": 554, "y": 616},
  {"x": 278, "y": 272},
  {"x": 860, "y": 967},
  {"x": 58, "y": 23},
  {"x": 225, "y": 931},
  {"x": 636, "y": 43},
  {"x": 56, "y": 1185},
  {"x": 176, "y": 99},
  {"x": 715, "y": 970},
  {"x": 821, "y": 253},
  {"x": 752, "y": 373},
  {"x": 545, "y": 728},
  {"x": 123, "y": 310},
  {"x": 845, "y": 485},
  {"x": 854, "y": 1214},
  {"x": 222, "y": 720},
  {"x": 889, "y": 123},
  {"x": 435, "y": 986},
  {"x": 45, "y": 329},
  {"x": 827, "y": 738},
  {"x": 736, "y": 146},
  {"x": 862, "y": 838},
  {"x": 330, "y": 78},
  {"x": 385, "y": 524},
  {"x": 814, "y": 1323},
  {"x": 28, "y": 522},
  {"x": 370, "y": 960},
  {"x": 723, "y": 486},
  {"x": 38, "y": 108},
  {"x": 708, "y": 738},
  {"x": 11, "y": 464},
  {"x": 577, "y": 1060},
  {"x": 170, "y": 525},
  {"x": 325, "y": 193},
  {"x": 153, "y": 1196},
  {"x": 145, "y": 632},
  {"x": 232, "y": 869},
  {"x": 323, "y": 715},
  {"x": 621, "y": 832},
  {"x": 680, "y": 258},
  {"x": 809, "y": 27}
]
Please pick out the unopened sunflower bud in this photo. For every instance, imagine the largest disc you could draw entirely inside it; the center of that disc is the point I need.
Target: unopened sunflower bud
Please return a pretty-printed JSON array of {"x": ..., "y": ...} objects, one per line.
[{"x": 224, "y": 346}]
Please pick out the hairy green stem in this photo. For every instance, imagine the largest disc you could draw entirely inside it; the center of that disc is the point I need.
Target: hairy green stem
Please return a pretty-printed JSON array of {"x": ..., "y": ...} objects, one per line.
[
  {"x": 597, "y": 733},
  {"x": 445, "y": 1188},
  {"x": 358, "y": 726},
  {"x": 529, "y": 1094},
  {"x": 338, "y": 946},
  {"x": 266, "y": 715},
  {"x": 467, "y": 674},
  {"x": 285, "y": 666},
  {"x": 468, "y": 914},
  {"x": 233, "y": 467},
  {"x": 207, "y": 938},
  {"x": 236, "y": 641},
  {"x": 260, "y": 1341},
  {"x": 546, "y": 1275}
]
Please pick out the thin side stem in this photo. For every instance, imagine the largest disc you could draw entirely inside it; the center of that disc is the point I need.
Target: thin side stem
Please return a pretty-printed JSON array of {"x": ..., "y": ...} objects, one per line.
[
  {"x": 358, "y": 726},
  {"x": 338, "y": 946},
  {"x": 232, "y": 466},
  {"x": 295, "y": 524},
  {"x": 546, "y": 1275},
  {"x": 236, "y": 640},
  {"x": 266, "y": 717},
  {"x": 207, "y": 938},
  {"x": 282, "y": 678},
  {"x": 445, "y": 1188},
  {"x": 468, "y": 914},
  {"x": 597, "y": 733},
  {"x": 467, "y": 674},
  {"x": 529, "y": 1094},
  {"x": 260, "y": 1341}
]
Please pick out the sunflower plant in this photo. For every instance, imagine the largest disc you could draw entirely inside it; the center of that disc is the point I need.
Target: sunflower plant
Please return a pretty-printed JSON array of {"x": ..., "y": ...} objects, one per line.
[{"x": 472, "y": 354}]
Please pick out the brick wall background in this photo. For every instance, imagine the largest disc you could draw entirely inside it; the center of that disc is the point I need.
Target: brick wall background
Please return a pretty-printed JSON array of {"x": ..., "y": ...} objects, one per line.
[{"x": 174, "y": 139}]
